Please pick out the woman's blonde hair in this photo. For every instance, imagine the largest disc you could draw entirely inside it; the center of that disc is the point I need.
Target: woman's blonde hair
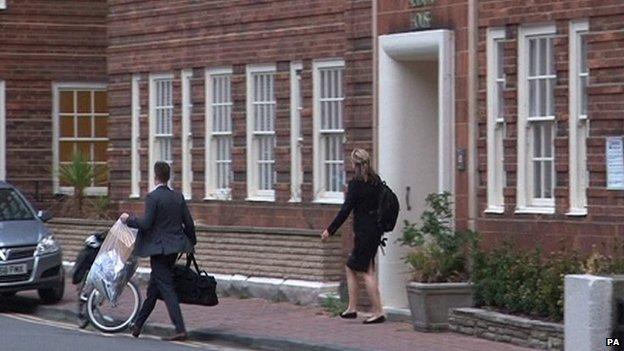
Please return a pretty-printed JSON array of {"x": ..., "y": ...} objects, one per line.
[{"x": 363, "y": 168}]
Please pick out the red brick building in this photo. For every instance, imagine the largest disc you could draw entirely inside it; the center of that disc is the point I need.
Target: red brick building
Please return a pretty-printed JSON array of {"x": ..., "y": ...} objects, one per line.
[
  {"x": 257, "y": 104},
  {"x": 52, "y": 89}
]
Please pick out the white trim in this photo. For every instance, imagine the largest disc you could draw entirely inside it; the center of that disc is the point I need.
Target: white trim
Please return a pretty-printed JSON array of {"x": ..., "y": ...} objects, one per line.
[
  {"x": 253, "y": 193},
  {"x": 321, "y": 196},
  {"x": 523, "y": 188},
  {"x": 56, "y": 87},
  {"x": 3, "y": 143},
  {"x": 296, "y": 169},
  {"x": 3, "y": 5},
  {"x": 152, "y": 126},
  {"x": 187, "y": 134},
  {"x": 535, "y": 210},
  {"x": 577, "y": 143},
  {"x": 210, "y": 180},
  {"x": 495, "y": 185},
  {"x": 135, "y": 141}
]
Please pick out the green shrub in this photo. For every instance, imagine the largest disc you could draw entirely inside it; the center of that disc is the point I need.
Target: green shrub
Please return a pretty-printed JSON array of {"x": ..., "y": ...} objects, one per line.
[
  {"x": 334, "y": 306},
  {"x": 439, "y": 252}
]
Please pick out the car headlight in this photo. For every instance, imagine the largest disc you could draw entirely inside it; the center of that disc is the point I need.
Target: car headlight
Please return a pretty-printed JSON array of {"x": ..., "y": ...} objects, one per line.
[{"x": 47, "y": 245}]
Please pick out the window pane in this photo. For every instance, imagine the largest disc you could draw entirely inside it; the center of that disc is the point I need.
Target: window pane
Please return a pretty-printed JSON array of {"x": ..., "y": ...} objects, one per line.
[
  {"x": 101, "y": 127},
  {"x": 84, "y": 101},
  {"x": 84, "y": 148},
  {"x": 500, "y": 63},
  {"x": 537, "y": 140},
  {"x": 67, "y": 126},
  {"x": 548, "y": 139},
  {"x": 66, "y": 151},
  {"x": 550, "y": 98},
  {"x": 533, "y": 93},
  {"x": 101, "y": 105},
  {"x": 542, "y": 97},
  {"x": 66, "y": 103},
  {"x": 84, "y": 127},
  {"x": 583, "y": 54},
  {"x": 583, "y": 92},
  {"x": 537, "y": 179},
  {"x": 533, "y": 57},
  {"x": 100, "y": 151},
  {"x": 500, "y": 100},
  {"x": 102, "y": 175},
  {"x": 543, "y": 56},
  {"x": 548, "y": 179}
]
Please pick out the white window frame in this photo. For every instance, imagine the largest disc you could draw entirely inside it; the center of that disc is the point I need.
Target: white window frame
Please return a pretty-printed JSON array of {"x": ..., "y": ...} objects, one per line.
[
  {"x": 524, "y": 196},
  {"x": 212, "y": 191},
  {"x": 186, "y": 77},
  {"x": 3, "y": 151},
  {"x": 322, "y": 196},
  {"x": 578, "y": 123},
  {"x": 56, "y": 132},
  {"x": 495, "y": 125},
  {"x": 152, "y": 125},
  {"x": 253, "y": 191},
  {"x": 135, "y": 142},
  {"x": 296, "y": 138},
  {"x": 3, "y": 5}
]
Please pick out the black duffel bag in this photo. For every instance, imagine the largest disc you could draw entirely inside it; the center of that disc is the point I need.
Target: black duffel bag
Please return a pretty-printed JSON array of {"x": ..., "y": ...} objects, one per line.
[{"x": 194, "y": 287}]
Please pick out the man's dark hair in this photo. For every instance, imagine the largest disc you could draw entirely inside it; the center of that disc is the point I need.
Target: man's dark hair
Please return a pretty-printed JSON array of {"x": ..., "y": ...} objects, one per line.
[{"x": 162, "y": 171}]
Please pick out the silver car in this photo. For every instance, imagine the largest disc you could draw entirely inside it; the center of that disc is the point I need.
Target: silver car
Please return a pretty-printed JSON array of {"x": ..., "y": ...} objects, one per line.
[{"x": 30, "y": 258}]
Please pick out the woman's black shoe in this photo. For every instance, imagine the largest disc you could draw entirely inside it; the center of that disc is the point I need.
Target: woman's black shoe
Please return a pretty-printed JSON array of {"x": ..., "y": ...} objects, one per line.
[
  {"x": 135, "y": 330},
  {"x": 348, "y": 315},
  {"x": 377, "y": 320}
]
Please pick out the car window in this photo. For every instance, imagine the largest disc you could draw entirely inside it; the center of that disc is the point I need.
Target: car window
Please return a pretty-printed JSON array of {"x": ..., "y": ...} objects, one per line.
[{"x": 13, "y": 207}]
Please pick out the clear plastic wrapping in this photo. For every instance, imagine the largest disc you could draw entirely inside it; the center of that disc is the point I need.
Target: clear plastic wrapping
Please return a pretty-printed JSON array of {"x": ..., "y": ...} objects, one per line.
[{"x": 115, "y": 263}]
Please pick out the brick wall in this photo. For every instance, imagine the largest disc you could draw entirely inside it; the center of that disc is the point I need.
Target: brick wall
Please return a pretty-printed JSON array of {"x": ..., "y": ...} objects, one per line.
[
  {"x": 253, "y": 252},
  {"x": 165, "y": 36},
  {"x": 43, "y": 42},
  {"x": 605, "y": 48}
]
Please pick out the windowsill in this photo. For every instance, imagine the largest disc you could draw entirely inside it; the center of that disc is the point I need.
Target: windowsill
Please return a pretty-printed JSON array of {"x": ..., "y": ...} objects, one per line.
[
  {"x": 535, "y": 210},
  {"x": 329, "y": 200},
  {"x": 494, "y": 210},
  {"x": 294, "y": 200},
  {"x": 577, "y": 212},
  {"x": 134, "y": 196},
  {"x": 216, "y": 198},
  {"x": 91, "y": 191},
  {"x": 260, "y": 199}
]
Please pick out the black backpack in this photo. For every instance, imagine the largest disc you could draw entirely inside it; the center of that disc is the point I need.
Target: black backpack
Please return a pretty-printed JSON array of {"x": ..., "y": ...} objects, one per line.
[{"x": 388, "y": 210}]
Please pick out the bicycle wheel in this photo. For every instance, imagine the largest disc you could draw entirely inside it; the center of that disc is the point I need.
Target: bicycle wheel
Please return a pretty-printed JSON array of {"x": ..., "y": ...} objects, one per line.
[{"x": 114, "y": 319}]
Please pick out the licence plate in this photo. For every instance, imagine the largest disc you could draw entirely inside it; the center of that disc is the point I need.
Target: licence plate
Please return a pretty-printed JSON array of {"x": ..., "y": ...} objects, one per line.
[{"x": 14, "y": 269}]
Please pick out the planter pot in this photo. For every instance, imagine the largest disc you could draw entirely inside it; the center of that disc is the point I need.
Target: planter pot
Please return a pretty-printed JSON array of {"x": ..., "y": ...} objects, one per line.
[{"x": 430, "y": 303}]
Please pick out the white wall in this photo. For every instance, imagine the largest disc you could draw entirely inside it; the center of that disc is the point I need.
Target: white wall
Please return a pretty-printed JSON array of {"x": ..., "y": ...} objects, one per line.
[{"x": 408, "y": 149}]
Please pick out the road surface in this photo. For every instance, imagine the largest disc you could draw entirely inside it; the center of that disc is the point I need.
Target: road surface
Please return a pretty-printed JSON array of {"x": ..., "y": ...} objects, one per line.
[{"x": 21, "y": 332}]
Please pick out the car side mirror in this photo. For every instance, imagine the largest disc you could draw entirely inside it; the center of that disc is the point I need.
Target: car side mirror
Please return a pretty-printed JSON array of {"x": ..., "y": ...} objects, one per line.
[{"x": 44, "y": 215}]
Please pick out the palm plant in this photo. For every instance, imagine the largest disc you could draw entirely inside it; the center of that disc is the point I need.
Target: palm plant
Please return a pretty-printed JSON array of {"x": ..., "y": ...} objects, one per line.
[{"x": 80, "y": 174}]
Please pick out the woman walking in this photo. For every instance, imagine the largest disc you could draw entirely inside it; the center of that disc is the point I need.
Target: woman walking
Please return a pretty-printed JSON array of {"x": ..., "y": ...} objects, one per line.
[{"x": 363, "y": 199}]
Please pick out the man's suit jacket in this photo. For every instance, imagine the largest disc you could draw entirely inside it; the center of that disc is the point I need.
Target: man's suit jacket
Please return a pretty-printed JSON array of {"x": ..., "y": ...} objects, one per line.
[{"x": 167, "y": 226}]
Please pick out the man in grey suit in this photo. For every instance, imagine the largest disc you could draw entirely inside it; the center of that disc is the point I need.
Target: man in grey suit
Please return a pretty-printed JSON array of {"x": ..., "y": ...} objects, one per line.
[{"x": 166, "y": 230}]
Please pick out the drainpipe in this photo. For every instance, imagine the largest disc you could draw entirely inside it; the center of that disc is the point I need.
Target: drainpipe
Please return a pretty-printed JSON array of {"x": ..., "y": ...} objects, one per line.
[
  {"x": 473, "y": 35},
  {"x": 375, "y": 84}
]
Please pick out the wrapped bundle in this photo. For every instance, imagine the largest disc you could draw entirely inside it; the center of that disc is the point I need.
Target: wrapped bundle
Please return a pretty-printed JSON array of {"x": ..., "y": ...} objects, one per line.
[{"x": 115, "y": 263}]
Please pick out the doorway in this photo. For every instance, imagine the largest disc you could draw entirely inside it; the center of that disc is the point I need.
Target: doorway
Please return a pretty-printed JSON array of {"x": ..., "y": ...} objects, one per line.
[{"x": 416, "y": 136}]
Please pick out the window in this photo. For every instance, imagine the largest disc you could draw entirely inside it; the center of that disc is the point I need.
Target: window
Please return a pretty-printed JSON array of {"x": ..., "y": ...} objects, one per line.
[
  {"x": 296, "y": 136},
  {"x": 2, "y": 131},
  {"x": 578, "y": 122},
  {"x": 161, "y": 122},
  {"x": 329, "y": 172},
  {"x": 13, "y": 207},
  {"x": 261, "y": 139},
  {"x": 135, "y": 191},
  {"x": 187, "y": 134},
  {"x": 80, "y": 126},
  {"x": 219, "y": 138},
  {"x": 3, "y": 5},
  {"x": 536, "y": 125},
  {"x": 495, "y": 119}
]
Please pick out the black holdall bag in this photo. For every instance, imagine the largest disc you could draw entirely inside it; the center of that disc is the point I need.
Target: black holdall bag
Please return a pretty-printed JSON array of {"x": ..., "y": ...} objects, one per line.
[{"x": 194, "y": 287}]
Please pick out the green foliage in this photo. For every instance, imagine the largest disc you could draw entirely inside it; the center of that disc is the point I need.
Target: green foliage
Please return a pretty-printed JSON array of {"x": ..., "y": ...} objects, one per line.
[
  {"x": 440, "y": 253},
  {"x": 80, "y": 174},
  {"x": 100, "y": 208},
  {"x": 334, "y": 306},
  {"x": 524, "y": 282}
]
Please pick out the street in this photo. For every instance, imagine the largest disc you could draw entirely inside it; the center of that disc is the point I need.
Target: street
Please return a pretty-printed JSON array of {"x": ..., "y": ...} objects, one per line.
[{"x": 21, "y": 332}]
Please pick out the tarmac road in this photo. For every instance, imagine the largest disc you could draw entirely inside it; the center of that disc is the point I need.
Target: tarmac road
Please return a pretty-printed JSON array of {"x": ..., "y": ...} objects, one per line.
[{"x": 21, "y": 332}]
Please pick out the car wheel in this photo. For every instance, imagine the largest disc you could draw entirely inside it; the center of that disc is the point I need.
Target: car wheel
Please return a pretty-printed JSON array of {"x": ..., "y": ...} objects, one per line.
[{"x": 55, "y": 294}]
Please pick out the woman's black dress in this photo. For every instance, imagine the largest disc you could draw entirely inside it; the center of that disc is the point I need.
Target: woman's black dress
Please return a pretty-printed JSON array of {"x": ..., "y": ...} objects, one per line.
[{"x": 363, "y": 198}]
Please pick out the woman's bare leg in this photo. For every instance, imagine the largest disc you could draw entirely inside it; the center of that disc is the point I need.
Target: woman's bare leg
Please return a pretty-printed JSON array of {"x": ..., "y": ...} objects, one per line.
[
  {"x": 372, "y": 288},
  {"x": 352, "y": 284}
]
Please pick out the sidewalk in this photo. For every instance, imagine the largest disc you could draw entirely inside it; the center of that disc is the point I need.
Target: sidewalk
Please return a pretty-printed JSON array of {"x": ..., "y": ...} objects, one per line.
[{"x": 283, "y": 326}]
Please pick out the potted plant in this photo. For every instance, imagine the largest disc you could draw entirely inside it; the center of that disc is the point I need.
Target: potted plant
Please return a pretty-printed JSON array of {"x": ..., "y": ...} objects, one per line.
[{"x": 439, "y": 258}]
